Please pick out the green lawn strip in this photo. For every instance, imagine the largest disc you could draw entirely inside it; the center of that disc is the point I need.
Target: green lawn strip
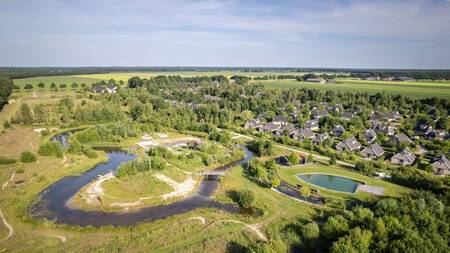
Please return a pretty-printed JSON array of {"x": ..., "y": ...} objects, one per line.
[
  {"x": 413, "y": 90},
  {"x": 289, "y": 175}
]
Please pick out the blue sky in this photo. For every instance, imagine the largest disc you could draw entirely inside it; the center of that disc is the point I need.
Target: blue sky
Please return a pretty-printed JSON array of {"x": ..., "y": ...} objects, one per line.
[{"x": 297, "y": 33}]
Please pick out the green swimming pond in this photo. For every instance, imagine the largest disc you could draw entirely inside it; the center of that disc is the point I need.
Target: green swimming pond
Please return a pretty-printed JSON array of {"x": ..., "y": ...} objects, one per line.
[{"x": 331, "y": 182}]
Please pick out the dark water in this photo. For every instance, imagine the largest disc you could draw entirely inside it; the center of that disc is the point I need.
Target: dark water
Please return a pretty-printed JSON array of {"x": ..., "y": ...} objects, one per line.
[
  {"x": 336, "y": 183},
  {"x": 52, "y": 203}
]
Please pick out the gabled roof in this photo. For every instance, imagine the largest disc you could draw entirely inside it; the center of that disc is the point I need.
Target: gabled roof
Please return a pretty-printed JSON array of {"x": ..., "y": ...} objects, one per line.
[
  {"x": 312, "y": 123},
  {"x": 441, "y": 162},
  {"x": 338, "y": 128},
  {"x": 279, "y": 118},
  {"x": 306, "y": 133},
  {"x": 347, "y": 115},
  {"x": 374, "y": 149},
  {"x": 288, "y": 128},
  {"x": 350, "y": 143},
  {"x": 370, "y": 133},
  {"x": 253, "y": 123},
  {"x": 320, "y": 137},
  {"x": 405, "y": 155},
  {"x": 401, "y": 137},
  {"x": 269, "y": 127}
]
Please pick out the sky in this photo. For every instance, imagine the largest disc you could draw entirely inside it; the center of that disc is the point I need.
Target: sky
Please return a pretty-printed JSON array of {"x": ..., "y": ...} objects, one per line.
[{"x": 226, "y": 33}]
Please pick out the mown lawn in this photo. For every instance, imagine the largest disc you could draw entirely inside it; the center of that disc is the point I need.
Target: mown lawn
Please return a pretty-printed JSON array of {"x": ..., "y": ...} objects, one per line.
[
  {"x": 289, "y": 175},
  {"x": 412, "y": 89}
]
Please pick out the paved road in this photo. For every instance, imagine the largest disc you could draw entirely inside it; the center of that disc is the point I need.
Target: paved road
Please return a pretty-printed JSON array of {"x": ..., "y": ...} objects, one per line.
[{"x": 298, "y": 151}]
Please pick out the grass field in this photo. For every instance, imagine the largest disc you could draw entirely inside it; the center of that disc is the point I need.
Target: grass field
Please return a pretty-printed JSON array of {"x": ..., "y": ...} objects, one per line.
[
  {"x": 47, "y": 80},
  {"x": 414, "y": 89},
  {"x": 175, "y": 234},
  {"x": 289, "y": 175}
]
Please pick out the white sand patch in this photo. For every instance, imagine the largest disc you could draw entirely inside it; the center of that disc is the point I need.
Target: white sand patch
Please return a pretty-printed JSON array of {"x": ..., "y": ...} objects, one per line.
[
  {"x": 199, "y": 218},
  {"x": 147, "y": 144},
  {"x": 95, "y": 190},
  {"x": 162, "y": 135},
  {"x": 176, "y": 142},
  {"x": 180, "y": 189},
  {"x": 39, "y": 130}
]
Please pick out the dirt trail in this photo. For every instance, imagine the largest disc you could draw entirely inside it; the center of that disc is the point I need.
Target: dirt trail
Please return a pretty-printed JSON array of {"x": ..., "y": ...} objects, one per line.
[
  {"x": 256, "y": 228},
  {"x": 8, "y": 226},
  {"x": 64, "y": 160},
  {"x": 5, "y": 184},
  {"x": 253, "y": 227}
]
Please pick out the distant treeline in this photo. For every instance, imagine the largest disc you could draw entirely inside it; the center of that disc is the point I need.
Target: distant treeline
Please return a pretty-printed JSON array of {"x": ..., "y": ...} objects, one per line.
[
  {"x": 6, "y": 85},
  {"x": 416, "y": 74},
  {"x": 432, "y": 74}
]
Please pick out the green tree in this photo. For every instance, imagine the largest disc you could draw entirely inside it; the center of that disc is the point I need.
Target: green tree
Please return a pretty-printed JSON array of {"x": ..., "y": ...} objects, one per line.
[
  {"x": 27, "y": 157},
  {"x": 28, "y": 86},
  {"x": 305, "y": 191},
  {"x": 25, "y": 114},
  {"x": 293, "y": 158},
  {"x": 358, "y": 241},
  {"x": 245, "y": 198},
  {"x": 41, "y": 85}
]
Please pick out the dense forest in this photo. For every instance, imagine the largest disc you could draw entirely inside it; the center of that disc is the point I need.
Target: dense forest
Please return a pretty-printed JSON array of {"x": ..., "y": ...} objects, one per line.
[{"x": 6, "y": 85}]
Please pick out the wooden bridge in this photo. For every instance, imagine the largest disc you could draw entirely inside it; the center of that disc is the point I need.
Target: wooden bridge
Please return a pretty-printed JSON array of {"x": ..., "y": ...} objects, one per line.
[{"x": 212, "y": 175}]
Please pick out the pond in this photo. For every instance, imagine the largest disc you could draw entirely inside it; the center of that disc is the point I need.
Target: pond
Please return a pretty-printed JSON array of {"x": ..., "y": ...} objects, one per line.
[{"x": 335, "y": 183}]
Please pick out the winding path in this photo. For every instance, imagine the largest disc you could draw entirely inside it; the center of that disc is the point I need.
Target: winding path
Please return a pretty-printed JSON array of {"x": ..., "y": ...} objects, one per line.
[{"x": 8, "y": 226}]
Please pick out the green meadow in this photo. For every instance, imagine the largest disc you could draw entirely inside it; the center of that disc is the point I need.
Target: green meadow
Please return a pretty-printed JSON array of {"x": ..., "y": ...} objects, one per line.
[{"x": 413, "y": 89}]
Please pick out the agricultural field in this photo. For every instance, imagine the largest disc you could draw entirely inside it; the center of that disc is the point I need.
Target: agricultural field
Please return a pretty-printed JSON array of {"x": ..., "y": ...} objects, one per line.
[
  {"x": 413, "y": 89},
  {"x": 48, "y": 80}
]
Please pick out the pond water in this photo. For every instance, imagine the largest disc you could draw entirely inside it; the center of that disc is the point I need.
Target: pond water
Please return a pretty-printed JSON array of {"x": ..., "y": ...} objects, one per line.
[
  {"x": 52, "y": 203},
  {"x": 331, "y": 182}
]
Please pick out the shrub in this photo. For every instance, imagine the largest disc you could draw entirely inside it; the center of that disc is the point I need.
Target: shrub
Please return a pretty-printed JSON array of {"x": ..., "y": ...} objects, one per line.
[
  {"x": 245, "y": 198},
  {"x": 50, "y": 149},
  {"x": 27, "y": 157},
  {"x": 141, "y": 165},
  {"x": 89, "y": 153},
  {"x": 5, "y": 160}
]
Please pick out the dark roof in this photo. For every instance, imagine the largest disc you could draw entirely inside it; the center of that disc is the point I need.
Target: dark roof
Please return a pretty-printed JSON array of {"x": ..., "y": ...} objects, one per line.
[
  {"x": 347, "y": 115},
  {"x": 374, "y": 149},
  {"x": 318, "y": 138},
  {"x": 405, "y": 155},
  {"x": 306, "y": 133},
  {"x": 312, "y": 123},
  {"x": 441, "y": 162},
  {"x": 269, "y": 127},
  {"x": 279, "y": 118},
  {"x": 349, "y": 144},
  {"x": 401, "y": 137}
]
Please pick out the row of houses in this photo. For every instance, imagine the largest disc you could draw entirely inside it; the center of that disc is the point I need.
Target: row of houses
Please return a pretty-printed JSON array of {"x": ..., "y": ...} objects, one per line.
[
  {"x": 280, "y": 126},
  {"x": 111, "y": 89}
]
